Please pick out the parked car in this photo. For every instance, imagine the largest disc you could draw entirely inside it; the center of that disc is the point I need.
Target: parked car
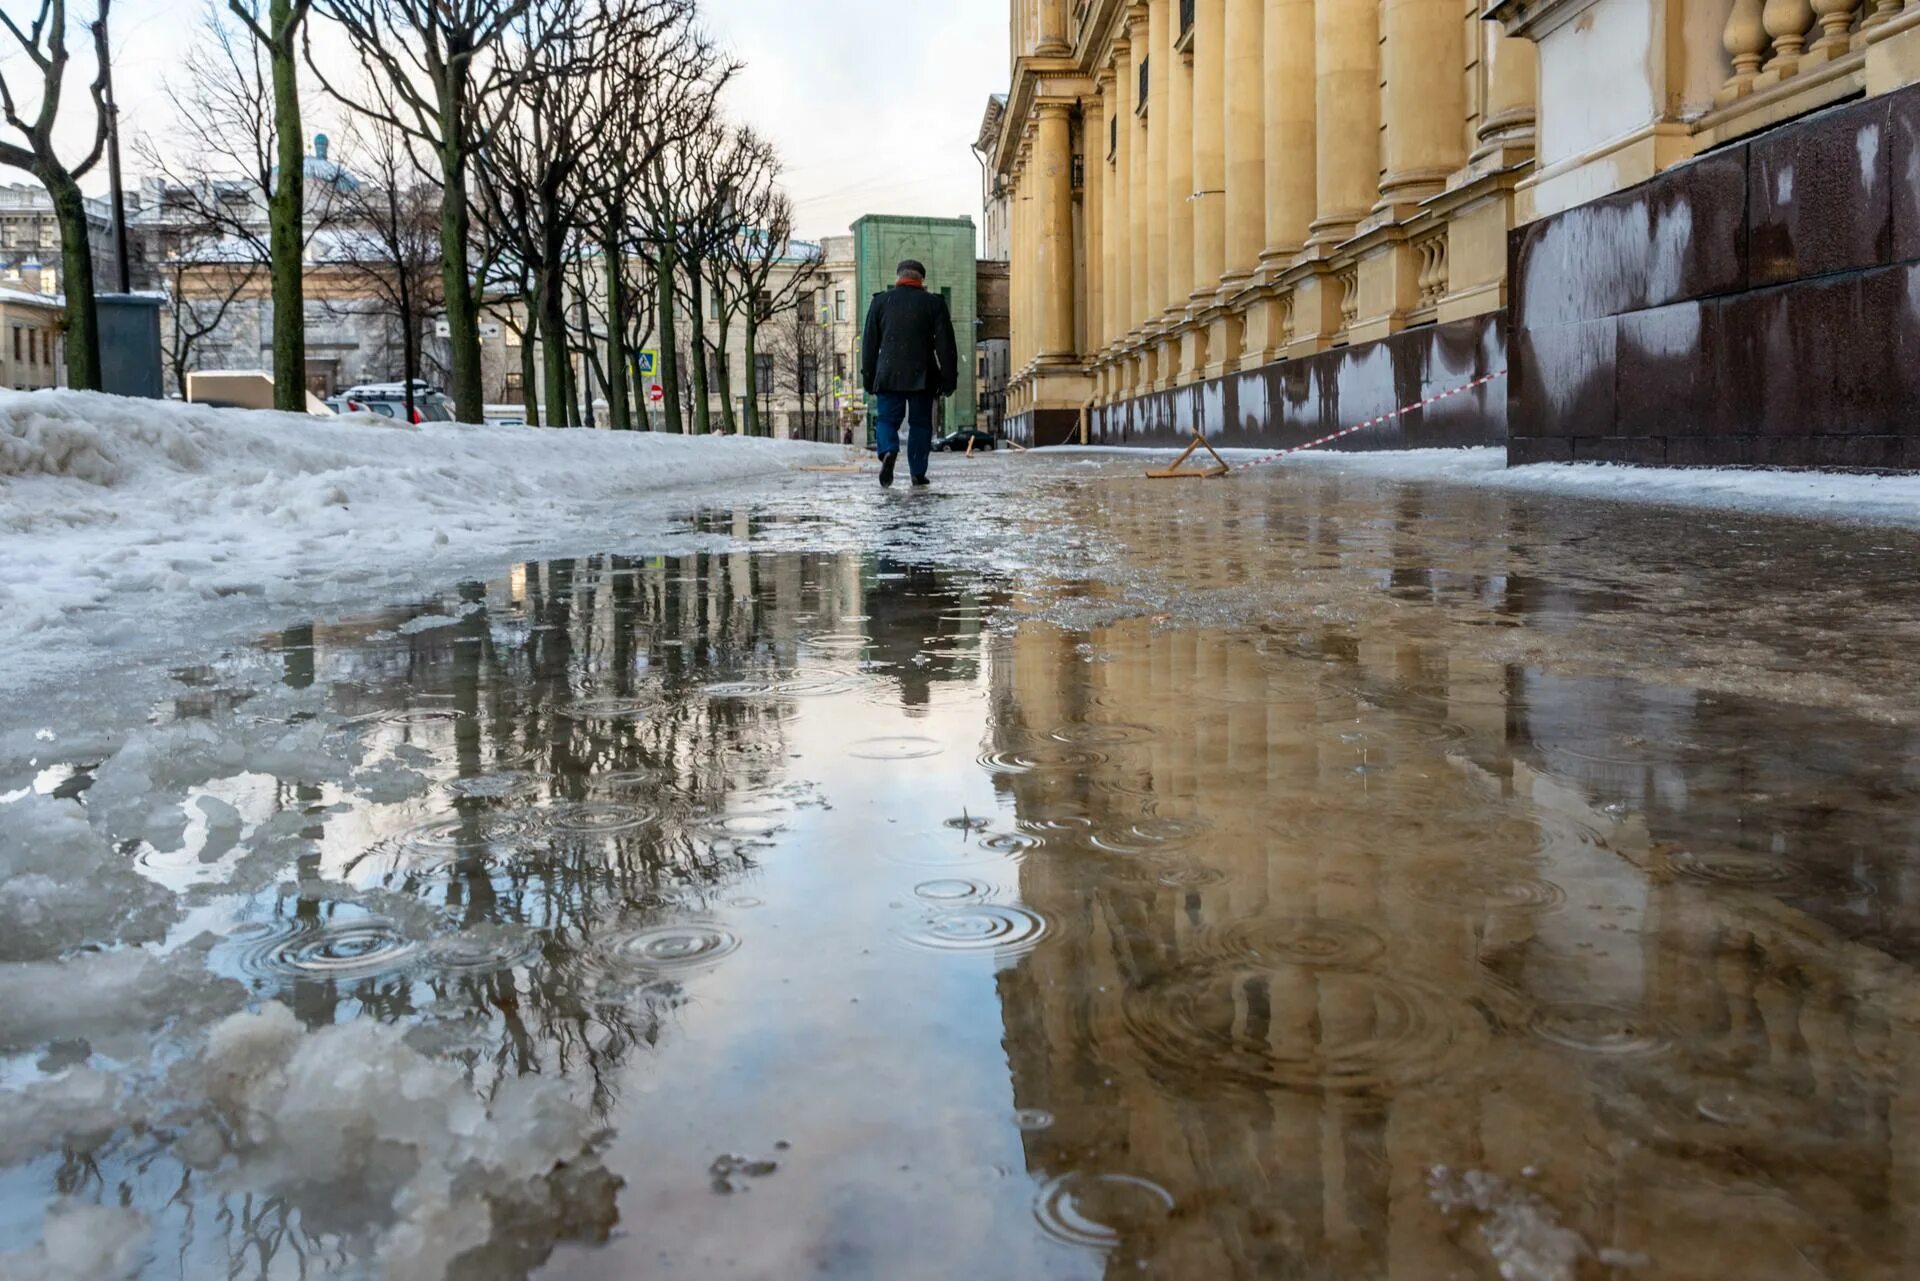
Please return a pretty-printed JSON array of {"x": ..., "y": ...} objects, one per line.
[
  {"x": 958, "y": 442},
  {"x": 389, "y": 400}
]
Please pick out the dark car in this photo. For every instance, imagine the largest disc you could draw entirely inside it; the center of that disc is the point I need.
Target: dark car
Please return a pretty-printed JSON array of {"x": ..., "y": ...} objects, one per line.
[{"x": 958, "y": 442}]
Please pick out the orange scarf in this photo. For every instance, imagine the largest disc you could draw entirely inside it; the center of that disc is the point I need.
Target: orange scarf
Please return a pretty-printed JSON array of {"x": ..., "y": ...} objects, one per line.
[{"x": 911, "y": 284}]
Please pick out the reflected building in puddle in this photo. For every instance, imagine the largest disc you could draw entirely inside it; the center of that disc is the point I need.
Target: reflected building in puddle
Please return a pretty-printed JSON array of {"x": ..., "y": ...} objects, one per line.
[{"x": 1331, "y": 912}]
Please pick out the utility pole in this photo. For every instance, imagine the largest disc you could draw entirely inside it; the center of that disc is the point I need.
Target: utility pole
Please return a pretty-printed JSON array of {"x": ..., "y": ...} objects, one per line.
[{"x": 113, "y": 160}]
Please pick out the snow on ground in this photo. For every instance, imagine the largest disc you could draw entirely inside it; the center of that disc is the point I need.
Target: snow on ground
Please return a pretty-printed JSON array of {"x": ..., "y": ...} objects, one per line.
[
  {"x": 1880, "y": 500},
  {"x": 119, "y": 517}
]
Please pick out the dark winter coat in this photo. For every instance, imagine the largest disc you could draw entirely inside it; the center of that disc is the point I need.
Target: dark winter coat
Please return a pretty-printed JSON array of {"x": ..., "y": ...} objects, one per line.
[{"x": 907, "y": 347}]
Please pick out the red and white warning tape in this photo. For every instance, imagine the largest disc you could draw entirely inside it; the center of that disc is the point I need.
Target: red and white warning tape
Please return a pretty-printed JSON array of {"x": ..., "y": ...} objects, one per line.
[{"x": 1375, "y": 422}]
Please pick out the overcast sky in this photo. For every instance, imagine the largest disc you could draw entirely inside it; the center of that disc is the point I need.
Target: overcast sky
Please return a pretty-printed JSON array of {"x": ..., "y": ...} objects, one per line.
[{"x": 873, "y": 103}]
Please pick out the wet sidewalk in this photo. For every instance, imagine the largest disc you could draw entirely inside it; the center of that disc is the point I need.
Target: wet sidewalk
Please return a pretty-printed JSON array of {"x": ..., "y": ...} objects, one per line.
[{"x": 1053, "y": 874}]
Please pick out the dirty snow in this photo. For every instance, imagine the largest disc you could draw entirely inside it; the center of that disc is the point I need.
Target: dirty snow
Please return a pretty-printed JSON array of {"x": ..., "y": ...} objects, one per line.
[{"x": 121, "y": 517}]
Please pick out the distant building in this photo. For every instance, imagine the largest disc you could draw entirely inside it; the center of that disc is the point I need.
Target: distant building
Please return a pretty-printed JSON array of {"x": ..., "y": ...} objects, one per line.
[
  {"x": 994, "y": 271},
  {"x": 948, "y": 247},
  {"x": 32, "y": 352},
  {"x": 30, "y": 238}
]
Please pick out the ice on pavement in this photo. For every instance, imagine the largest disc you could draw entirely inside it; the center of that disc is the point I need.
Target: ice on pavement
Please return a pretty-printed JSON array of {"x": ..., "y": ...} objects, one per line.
[{"x": 118, "y": 516}]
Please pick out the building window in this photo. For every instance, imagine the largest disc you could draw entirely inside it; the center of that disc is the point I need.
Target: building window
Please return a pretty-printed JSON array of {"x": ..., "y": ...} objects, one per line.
[
  {"x": 1113, "y": 139},
  {"x": 33, "y": 346},
  {"x": 713, "y": 305},
  {"x": 1143, "y": 85},
  {"x": 762, "y": 304},
  {"x": 840, "y": 304},
  {"x": 809, "y": 375},
  {"x": 839, "y": 366},
  {"x": 1186, "y": 16},
  {"x": 514, "y": 381},
  {"x": 715, "y": 370},
  {"x": 763, "y": 372},
  {"x": 17, "y": 357}
]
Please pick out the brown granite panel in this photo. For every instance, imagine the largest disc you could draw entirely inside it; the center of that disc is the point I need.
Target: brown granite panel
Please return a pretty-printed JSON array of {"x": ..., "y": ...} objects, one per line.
[
  {"x": 1562, "y": 381},
  {"x": 1667, "y": 362},
  {"x": 1055, "y": 427},
  {"x": 1641, "y": 451},
  {"x": 1819, "y": 195},
  {"x": 1903, "y": 163},
  {"x": 1681, "y": 235},
  {"x": 1522, "y": 450},
  {"x": 1710, "y": 451},
  {"x": 1871, "y": 453},
  {"x": 1820, "y": 357}
]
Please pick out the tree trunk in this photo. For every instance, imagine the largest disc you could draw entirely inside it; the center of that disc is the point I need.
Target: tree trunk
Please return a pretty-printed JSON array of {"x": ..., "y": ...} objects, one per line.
[
  {"x": 618, "y": 415},
  {"x": 286, "y": 218},
  {"x": 669, "y": 370},
  {"x": 555, "y": 356},
  {"x": 529, "y": 369},
  {"x": 463, "y": 309},
  {"x": 409, "y": 340},
  {"x": 702, "y": 410},
  {"x": 76, "y": 271},
  {"x": 723, "y": 369},
  {"x": 755, "y": 427}
]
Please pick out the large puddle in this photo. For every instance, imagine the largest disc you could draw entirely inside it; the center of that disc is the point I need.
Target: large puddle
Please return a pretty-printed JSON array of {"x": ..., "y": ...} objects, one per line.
[{"x": 1310, "y": 880}]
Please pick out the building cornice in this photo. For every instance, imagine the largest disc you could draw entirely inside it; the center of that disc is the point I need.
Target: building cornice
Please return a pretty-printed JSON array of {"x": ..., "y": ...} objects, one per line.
[{"x": 1532, "y": 19}]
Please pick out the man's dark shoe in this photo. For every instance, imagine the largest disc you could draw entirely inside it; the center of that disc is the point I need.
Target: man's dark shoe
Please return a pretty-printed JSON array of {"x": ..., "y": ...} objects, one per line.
[
  {"x": 886, "y": 469},
  {"x": 921, "y": 480}
]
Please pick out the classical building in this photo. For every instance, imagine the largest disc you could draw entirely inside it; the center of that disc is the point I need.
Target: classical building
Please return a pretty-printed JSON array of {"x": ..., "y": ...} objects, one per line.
[
  {"x": 996, "y": 249},
  {"x": 30, "y": 238},
  {"x": 32, "y": 352},
  {"x": 1272, "y": 218}
]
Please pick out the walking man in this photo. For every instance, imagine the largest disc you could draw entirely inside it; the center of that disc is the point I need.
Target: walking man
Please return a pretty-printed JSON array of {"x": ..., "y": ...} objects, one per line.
[{"x": 907, "y": 362}]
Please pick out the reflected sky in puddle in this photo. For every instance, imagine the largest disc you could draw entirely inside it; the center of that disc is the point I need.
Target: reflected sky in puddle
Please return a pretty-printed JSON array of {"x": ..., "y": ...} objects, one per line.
[{"x": 1252, "y": 898}]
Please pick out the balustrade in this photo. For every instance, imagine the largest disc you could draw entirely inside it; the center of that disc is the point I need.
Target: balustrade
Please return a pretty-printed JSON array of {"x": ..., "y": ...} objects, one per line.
[
  {"x": 1768, "y": 39},
  {"x": 1432, "y": 279}
]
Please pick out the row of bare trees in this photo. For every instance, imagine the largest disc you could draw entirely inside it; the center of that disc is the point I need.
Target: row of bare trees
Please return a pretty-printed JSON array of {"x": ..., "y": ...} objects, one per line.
[{"x": 562, "y": 166}]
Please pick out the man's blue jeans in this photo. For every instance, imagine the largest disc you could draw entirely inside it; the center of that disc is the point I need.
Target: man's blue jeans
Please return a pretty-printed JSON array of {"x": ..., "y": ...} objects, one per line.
[{"x": 917, "y": 410}]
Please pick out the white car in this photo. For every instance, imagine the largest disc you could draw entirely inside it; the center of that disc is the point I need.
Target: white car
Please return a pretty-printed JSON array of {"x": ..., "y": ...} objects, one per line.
[{"x": 389, "y": 400}]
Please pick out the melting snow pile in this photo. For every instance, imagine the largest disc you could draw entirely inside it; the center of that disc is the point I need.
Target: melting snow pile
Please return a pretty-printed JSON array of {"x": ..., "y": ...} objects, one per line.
[{"x": 111, "y": 509}]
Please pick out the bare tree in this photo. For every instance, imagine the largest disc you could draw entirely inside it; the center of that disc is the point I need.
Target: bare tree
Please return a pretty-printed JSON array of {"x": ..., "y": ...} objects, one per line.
[
  {"x": 447, "y": 80},
  {"x": 205, "y": 275},
  {"x": 387, "y": 247},
  {"x": 44, "y": 42},
  {"x": 800, "y": 348},
  {"x": 767, "y": 269}
]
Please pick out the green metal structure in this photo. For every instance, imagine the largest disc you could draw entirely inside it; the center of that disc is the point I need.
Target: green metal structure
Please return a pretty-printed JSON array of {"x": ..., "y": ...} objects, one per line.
[{"x": 947, "y": 247}]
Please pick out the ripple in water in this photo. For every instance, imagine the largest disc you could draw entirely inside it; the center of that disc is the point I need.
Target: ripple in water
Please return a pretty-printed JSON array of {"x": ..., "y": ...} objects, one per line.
[
  {"x": 1101, "y": 734},
  {"x": 1487, "y": 888},
  {"x": 777, "y": 687},
  {"x": 1593, "y": 1028},
  {"x": 1042, "y": 757},
  {"x": 482, "y": 949},
  {"x": 1096, "y": 1210},
  {"x": 978, "y": 927},
  {"x": 598, "y": 818},
  {"x": 1299, "y": 1027},
  {"x": 1739, "y": 869},
  {"x": 494, "y": 787},
  {"x": 408, "y": 716},
  {"x": 607, "y": 708},
  {"x": 969, "y": 823},
  {"x": 1056, "y": 824},
  {"x": 1146, "y": 835},
  {"x": 952, "y": 889},
  {"x": 756, "y": 826},
  {"x": 344, "y": 950},
  {"x": 682, "y": 945},
  {"x": 1308, "y": 941},
  {"x": 898, "y": 747}
]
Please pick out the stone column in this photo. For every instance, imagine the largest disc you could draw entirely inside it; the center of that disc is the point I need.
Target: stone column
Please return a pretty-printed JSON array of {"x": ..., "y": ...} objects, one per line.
[
  {"x": 1346, "y": 117},
  {"x": 1289, "y": 111},
  {"x": 1137, "y": 218},
  {"x": 1116, "y": 265},
  {"x": 1159, "y": 66},
  {"x": 1423, "y": 102},
  {"x": 1053, "y": 163},
  {"x": 1093, "y": 145},
  {"x": 1209, "y": 148},
  {"x": 1179, "y": 193},
  {"x": 1510, "y": 72},
  {"x": 1053, "y": 28},
  {"x": 1245, "y": 143}
]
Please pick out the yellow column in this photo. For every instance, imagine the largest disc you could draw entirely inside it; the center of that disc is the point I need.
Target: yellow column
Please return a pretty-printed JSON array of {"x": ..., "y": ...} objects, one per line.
[
  {"x": 1159, "y": 64},
  {"x": 1179, "y": 193},
  {"x": 1137, "y": 220},
  {"x": 1115, "y": 262},
  {"x": 1053, "y": 28},
  {"x": 1424, "y": 103},
  {"x": 1209, "y": 148},
  {"x": 1289, "y": 116},
  {"x": 1093, "y": 147},
  {"x": 1245, "y": 149},
  {"x": 1511, "y": 70},
  {"x": 1053, "y": 156},
  {"x": 1346, "y": 116}
]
